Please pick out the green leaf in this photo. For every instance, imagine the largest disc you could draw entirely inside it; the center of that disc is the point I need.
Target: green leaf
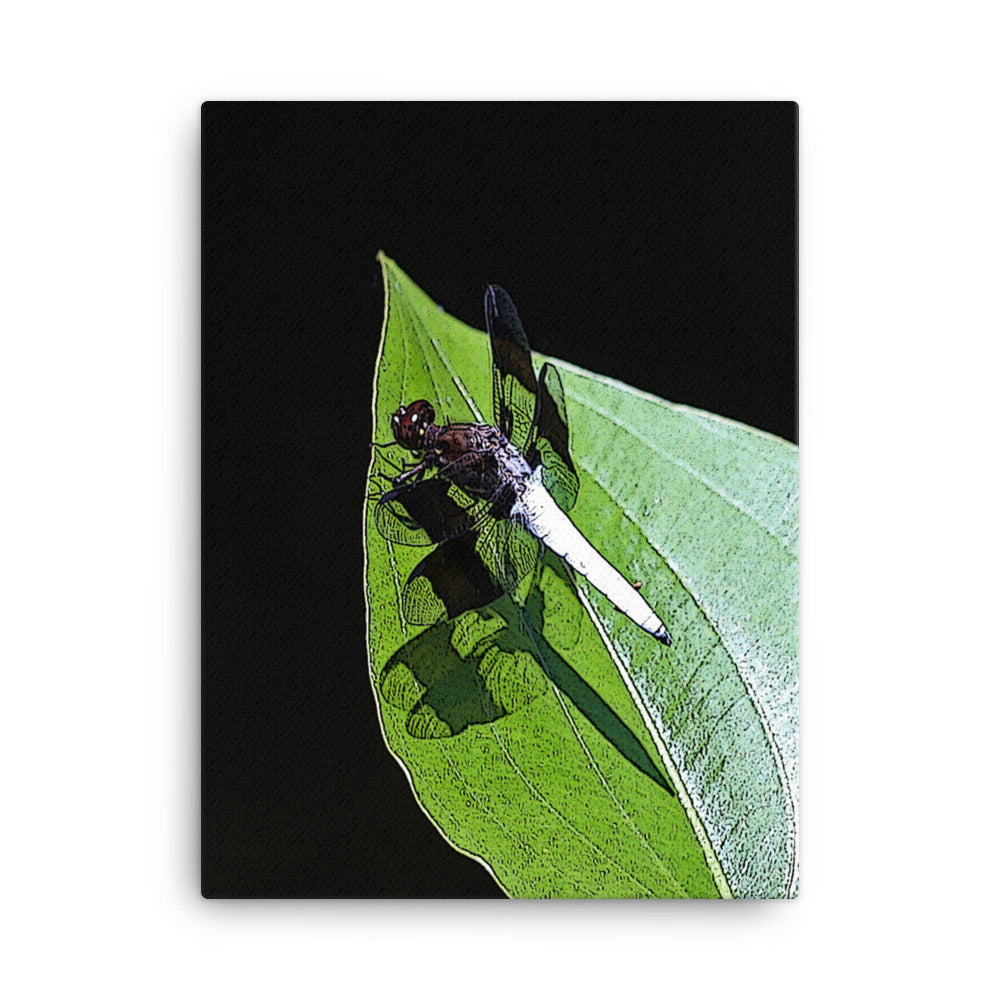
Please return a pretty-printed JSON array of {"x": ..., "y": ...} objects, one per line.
[{"x": 547, "y": 735}]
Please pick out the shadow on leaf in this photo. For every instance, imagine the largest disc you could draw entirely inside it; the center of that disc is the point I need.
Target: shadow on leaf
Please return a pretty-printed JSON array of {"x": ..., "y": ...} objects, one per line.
[{"x": 490, "y": 663}]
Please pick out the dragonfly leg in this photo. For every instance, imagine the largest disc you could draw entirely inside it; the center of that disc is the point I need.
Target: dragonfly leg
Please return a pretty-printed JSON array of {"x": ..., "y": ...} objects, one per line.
[
  {"x": 417, "y": 471},
  {"x": 398, "y": 468}
]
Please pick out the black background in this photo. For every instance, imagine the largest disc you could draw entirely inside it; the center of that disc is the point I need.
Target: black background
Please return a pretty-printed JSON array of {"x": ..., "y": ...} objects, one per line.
[{"x": 651, "y": 242}]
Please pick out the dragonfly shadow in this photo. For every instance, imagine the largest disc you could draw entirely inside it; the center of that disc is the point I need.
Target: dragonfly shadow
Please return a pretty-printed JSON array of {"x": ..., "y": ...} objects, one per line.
[
  {"x": 461, "y": 673},
  {"x": 488, "y": 664},
  {"x": 587, "y": 701}
]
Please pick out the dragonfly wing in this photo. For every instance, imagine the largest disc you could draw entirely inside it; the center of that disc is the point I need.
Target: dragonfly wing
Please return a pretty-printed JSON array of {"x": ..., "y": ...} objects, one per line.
[
  {"x": 514, "y": 383},
  {"x": 511, "y": 554},
  {"x": 449, "y": 582},
  {"x": 549, "y": 445},
  {"x": 432, "y": 510}
]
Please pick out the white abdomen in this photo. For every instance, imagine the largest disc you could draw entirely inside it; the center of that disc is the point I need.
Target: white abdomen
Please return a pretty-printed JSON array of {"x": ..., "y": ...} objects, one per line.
[{"x": 543, "y": 517}]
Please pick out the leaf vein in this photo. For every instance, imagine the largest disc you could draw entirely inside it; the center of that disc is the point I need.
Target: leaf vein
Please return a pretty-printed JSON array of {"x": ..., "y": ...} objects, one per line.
[
  {"x": 535, "y": 794},
  {"x": 658, "y": 450},
  {"x": 641, "y": 837},
  {"x": 789, "y": 799}
]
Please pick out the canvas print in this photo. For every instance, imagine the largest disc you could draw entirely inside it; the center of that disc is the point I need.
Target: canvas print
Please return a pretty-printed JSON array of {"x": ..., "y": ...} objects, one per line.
[{"x": 579, "y": 619}]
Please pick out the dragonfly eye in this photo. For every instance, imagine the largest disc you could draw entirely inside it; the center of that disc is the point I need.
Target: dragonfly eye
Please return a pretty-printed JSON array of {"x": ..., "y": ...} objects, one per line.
[{"x": 410, "y": 423}]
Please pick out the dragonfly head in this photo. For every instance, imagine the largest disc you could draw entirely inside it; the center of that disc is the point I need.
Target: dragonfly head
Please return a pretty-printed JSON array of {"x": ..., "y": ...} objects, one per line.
[{"x": 410, "y": 424}]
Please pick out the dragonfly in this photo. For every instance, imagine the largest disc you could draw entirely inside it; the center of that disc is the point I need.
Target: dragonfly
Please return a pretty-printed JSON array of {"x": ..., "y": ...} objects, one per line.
[{"x": 489, "y": 496}]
